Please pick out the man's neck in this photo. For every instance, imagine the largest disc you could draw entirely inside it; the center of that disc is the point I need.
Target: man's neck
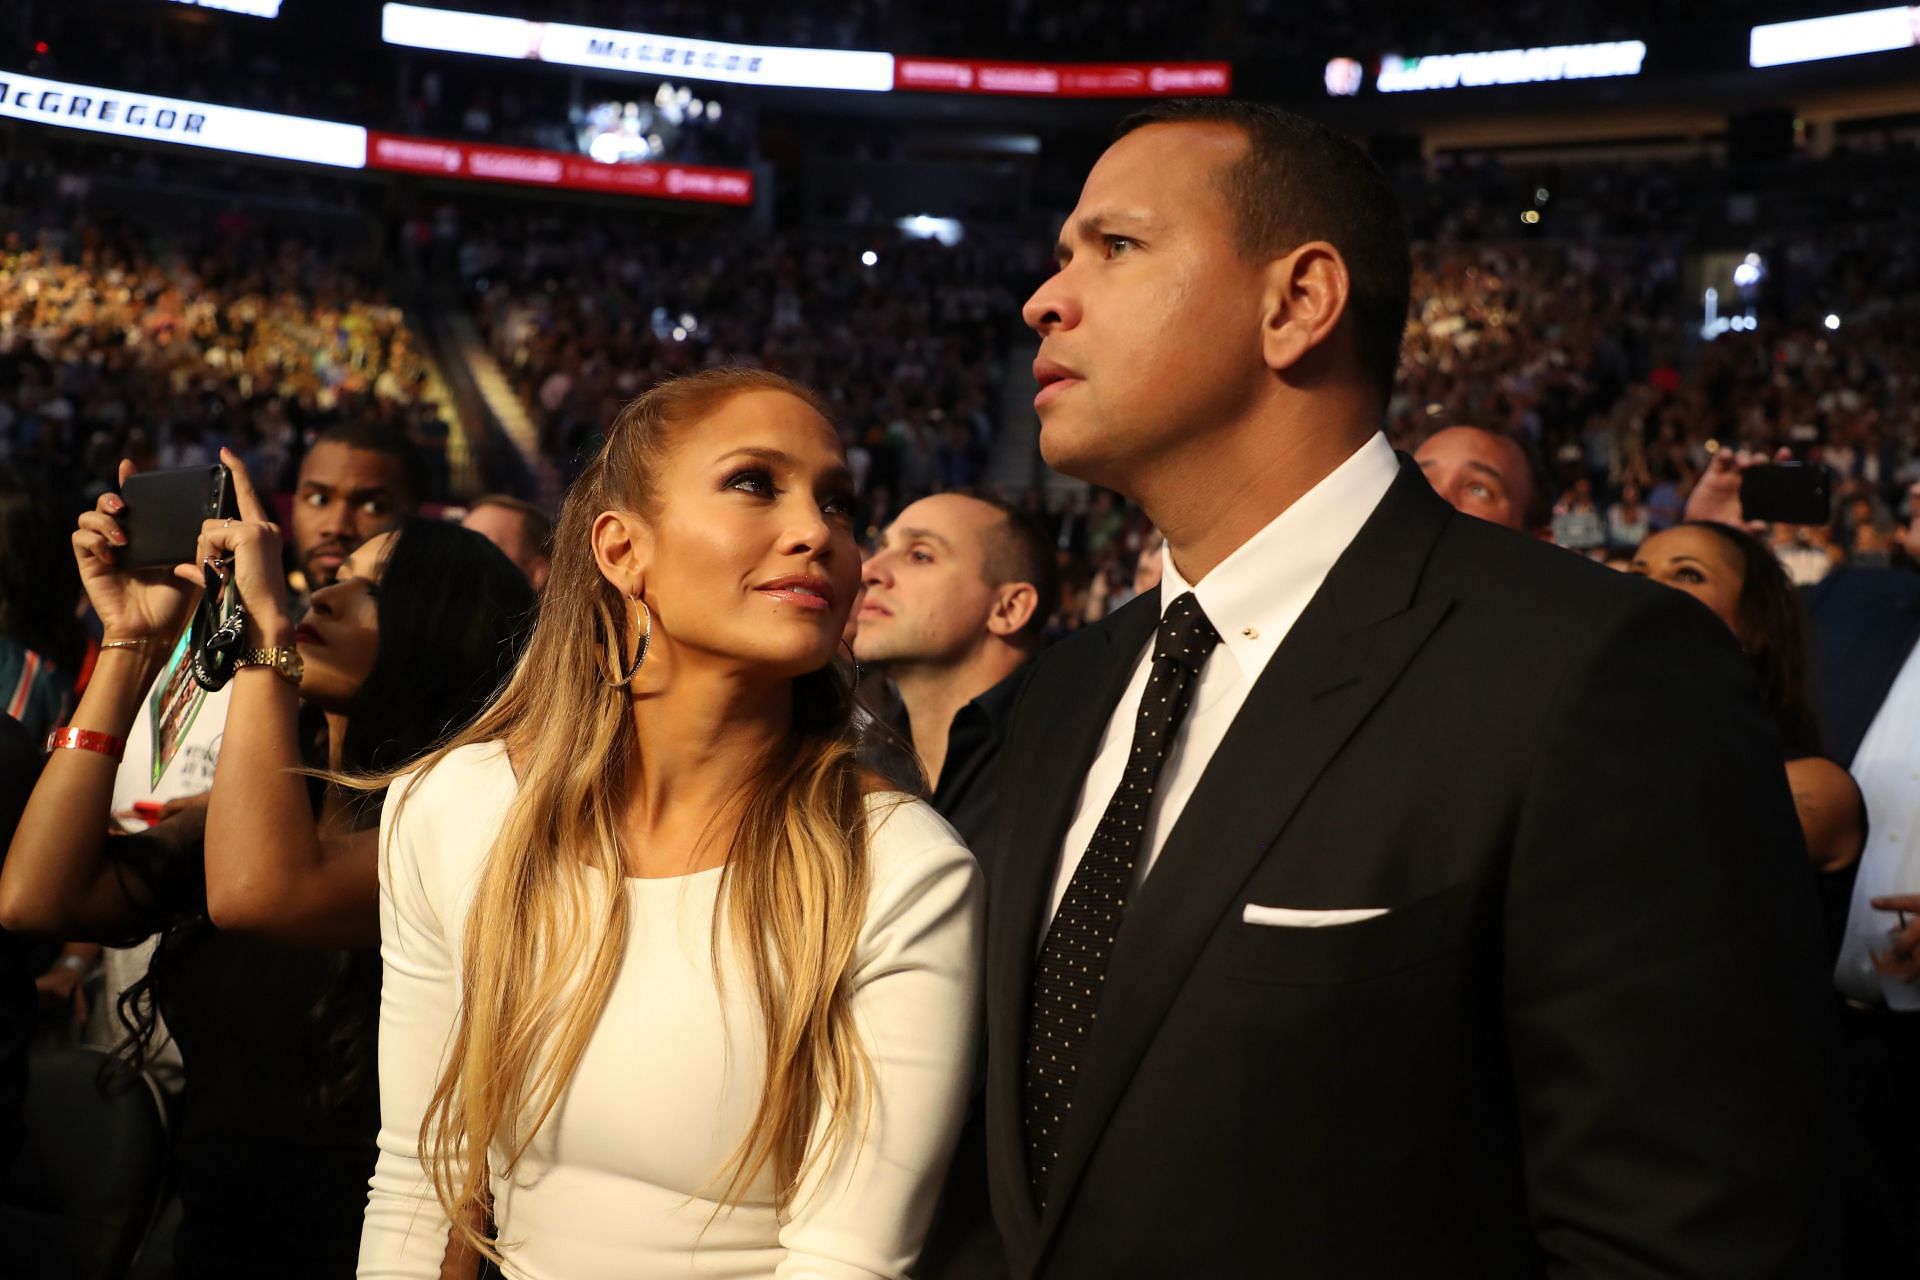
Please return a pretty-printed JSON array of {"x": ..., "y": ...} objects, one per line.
[
  {"x": 1209, "y": 502},
  {"x": 933, "y": 696}
]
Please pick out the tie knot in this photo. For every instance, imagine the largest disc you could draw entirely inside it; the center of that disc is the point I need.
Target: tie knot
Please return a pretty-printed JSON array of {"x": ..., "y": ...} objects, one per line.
[{"x": 1185, "y": 635}]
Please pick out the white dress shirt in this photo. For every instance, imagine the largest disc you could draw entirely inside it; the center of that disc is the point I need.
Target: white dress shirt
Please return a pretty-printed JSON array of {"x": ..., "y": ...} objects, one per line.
[
  {"x": 1887, "y": 767},
  {"x": 1252, "y": 598}
]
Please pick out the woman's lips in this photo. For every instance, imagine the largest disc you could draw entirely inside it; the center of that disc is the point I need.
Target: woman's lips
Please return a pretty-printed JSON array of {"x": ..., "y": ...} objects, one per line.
[
  {"x": 796, "y": 595},
  {"x": 307, "y": 635}
]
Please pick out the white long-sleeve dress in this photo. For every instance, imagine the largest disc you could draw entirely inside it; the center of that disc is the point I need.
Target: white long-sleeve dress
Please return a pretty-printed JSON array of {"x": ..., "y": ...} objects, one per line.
[{"x": 620, "y": 1180}]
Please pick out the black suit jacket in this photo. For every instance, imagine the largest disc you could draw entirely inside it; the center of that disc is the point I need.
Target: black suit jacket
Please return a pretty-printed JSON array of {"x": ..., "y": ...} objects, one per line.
[
  {"x": 1865, "y": 624},
  {"x": 1590, "y": 1038}
]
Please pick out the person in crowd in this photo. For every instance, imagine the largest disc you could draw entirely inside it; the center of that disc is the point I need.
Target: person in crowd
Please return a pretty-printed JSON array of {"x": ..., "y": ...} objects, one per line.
[
  {"x": 19, "y": 763},
  {"x": 1576, "y": 523},
  {"x": 1147, "y": 569},
  {"x": 358, "y": 479},
  {"x": 672, "y": 985},
  {"x": 1256, "y": 944},
  {"x": 1490, "y": 475},
  {"x": 955, "y": 608},
  {"x": 953, "y": 611},
  {"x": 519, "y": 529},
  {"x": 1627, "y": 520},
  {"x": 1737, "y": 576},
  {"x": 1866, "y": 662},
  {"x": 42, "y": 644},
  {"x": 403, "y": 646}
]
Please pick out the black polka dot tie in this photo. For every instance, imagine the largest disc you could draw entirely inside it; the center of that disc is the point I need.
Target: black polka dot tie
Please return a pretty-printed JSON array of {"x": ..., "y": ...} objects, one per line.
[{"x": 1065, "y": 1000}]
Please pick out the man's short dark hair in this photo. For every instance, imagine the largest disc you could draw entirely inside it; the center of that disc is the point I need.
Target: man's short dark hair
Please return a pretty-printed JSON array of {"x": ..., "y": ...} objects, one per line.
[
  {"x": 538, "y": 525},
  {"x": 1019, "y": 550},
  {"x": 1301, "y": 181},
  {"x": 377, "y": 438}
]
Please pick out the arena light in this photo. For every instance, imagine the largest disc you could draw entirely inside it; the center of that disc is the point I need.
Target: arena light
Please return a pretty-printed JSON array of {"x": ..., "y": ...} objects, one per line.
[
  {"x": 151, "y": 118},
  {"x": 1843, "y": 35},
  {"x": 1510, "y": 66},
  {"x": 924, "y": 226},
  {"x": 252, "y": 8},
  {"x": 605, "y": 49}
]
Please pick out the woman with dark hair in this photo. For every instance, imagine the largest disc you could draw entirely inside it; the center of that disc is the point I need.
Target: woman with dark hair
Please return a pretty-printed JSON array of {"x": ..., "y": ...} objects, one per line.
[
  {"x": 1740, "y": 579},
  {"x": 280, "y": 1111}
]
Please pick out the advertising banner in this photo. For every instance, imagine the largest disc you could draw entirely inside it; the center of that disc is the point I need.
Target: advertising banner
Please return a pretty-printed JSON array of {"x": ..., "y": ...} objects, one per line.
[
  {"x": 525, "y": 167},
  {"x": 1844, "y": 35},
  {"x": 1064, "y": 79},
  {"x": 151, "y": 118}
]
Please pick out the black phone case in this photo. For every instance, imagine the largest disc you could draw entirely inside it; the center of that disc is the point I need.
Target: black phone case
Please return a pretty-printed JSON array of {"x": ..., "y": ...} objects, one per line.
[
  {"x": 165, "y": 510},
  {"x": 1787, "y": 493}
]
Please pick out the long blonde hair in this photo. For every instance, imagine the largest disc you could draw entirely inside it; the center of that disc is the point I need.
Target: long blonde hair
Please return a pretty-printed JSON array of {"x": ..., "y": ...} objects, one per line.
[{"x": 793, "y": 888}]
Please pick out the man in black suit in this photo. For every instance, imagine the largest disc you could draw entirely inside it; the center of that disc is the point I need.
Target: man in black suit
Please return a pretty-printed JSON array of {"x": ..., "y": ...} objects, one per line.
[{"x": 1389, "y": 894}]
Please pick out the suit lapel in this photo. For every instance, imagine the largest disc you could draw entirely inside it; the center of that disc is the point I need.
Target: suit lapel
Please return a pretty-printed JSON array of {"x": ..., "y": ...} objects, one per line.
[
  {"x": 1339, "y": 660},
  {"x": 1060, "y": 726}
]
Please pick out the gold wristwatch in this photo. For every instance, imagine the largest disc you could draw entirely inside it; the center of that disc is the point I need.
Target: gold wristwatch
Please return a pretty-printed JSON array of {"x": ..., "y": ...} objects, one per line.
[{"x": 284, "y": 659}]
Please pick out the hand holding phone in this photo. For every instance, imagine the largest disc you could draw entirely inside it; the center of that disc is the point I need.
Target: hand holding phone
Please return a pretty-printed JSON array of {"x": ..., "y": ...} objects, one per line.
[
  {"x": 165, "y": 511},
  {"x": 131, "y": 605}
]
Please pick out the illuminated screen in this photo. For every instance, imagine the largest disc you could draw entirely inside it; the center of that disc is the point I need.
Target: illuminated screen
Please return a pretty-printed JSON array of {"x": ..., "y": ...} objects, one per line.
[
  {"x": 1842, "y": 36},
  {"x": 252, "y": 8}
]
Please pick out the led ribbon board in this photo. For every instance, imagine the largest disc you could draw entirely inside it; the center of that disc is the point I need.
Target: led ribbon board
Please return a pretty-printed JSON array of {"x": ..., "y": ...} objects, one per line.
[
  {"x": 603, "y": 49},
  {"x": 1843, "y": 35},
  {"x": 252, "y": 8},
  {"x": 1064, "y": 79},
  {"x": 151, "y": 118},
  {"x": 525, "y": 167},
  {"x": 1510, "y": 66}
]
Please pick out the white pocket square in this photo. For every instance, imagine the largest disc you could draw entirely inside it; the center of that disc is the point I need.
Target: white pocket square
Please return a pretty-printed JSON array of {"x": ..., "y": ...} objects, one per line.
[{"x": 1296, "y": 918}]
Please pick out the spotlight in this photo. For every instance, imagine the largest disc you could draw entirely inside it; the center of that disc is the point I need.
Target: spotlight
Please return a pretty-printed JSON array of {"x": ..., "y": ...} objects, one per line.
[
  {"x": 1833, "y": 322},
  {"x": 869, "y": 259},
  {"x": 1530, "y": 217}
]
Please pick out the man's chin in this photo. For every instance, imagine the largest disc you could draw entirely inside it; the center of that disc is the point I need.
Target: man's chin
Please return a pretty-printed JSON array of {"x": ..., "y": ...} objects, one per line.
[{"x": 1072, "y": 450}]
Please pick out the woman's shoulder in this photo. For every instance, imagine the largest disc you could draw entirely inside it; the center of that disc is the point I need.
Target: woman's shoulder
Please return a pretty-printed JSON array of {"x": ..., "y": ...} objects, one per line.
[
  {"x": 463, "y": 788},
  {"x": 908, "y": 840}
]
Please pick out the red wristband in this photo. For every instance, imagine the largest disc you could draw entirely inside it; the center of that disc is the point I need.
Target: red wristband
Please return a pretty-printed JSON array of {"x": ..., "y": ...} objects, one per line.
[{"x": 86, "y": 740}]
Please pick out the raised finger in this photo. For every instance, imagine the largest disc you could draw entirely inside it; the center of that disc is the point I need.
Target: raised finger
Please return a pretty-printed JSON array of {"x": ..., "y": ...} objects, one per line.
[
  {"x": 245, "y": 496},
  {"x": 126, "y": 469}
]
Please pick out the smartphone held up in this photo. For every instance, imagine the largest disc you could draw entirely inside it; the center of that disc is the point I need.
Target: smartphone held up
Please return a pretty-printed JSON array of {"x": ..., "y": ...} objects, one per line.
[{"x": 165, "y": 510}]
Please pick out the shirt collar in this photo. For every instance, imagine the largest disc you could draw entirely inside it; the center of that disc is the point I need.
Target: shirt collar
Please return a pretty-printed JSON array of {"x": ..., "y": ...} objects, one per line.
[{"x": 1256, "y": 594}]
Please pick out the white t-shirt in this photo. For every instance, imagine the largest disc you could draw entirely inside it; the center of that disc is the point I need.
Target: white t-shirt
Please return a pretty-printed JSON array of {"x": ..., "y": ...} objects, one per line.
[
  {"x": 174, "y": 743},
  {"x": 619, "y": 1182}
]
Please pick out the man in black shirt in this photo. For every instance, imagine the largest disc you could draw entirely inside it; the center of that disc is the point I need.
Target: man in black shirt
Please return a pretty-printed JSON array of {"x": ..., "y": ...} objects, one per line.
[{"x": 956, "y": 598}]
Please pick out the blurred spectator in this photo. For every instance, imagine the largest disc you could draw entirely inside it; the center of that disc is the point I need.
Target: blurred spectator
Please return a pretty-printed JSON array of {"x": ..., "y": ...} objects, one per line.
[
  {"x": 521, "y": 530},
  {"x": 1737, "y": 576},
  {"x": 1627, "y": 520},
  {"x": 42, "y": 644},
  {"x": 1577, "y": 525},
  {"x": 1489, "y": 475}
]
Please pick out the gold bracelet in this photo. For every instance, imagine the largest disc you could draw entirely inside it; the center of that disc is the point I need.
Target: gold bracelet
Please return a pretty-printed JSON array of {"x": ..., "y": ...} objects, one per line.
[{"x": 141, "y": 643}]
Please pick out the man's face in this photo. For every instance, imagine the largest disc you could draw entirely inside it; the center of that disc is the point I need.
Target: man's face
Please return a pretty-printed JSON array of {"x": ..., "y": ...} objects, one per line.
[
  {"x": 927, "y": 598},
  {"x": 1150, "y": 330},
  {"x": 1480, "y": 473},
  {"x": 506, "y": 529},
  {"x": 345, "y": 496}
]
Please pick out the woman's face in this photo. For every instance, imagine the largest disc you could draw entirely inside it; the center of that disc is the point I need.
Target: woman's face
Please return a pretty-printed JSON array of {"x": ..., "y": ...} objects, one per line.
[
  {"x": 339, "y": 639},
  {"x": 751, "y": 560},
  {"x": 1698, "y": 563}
]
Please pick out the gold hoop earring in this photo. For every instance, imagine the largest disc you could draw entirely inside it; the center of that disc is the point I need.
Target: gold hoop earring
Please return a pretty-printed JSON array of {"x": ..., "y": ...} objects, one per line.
[{"x": 640, "y": 655}]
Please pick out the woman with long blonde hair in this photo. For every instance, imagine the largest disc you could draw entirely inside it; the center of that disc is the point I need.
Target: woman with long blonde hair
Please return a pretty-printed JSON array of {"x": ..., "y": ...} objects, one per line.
[{"x": 672, "y": 988}]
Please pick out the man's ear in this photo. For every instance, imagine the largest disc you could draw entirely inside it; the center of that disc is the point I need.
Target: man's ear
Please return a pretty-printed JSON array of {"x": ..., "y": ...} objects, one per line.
[
  {"x": 1013, "y": 608},
  {"x": 623, "y": 548},
  {"x": 1304, "y": 297}
]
